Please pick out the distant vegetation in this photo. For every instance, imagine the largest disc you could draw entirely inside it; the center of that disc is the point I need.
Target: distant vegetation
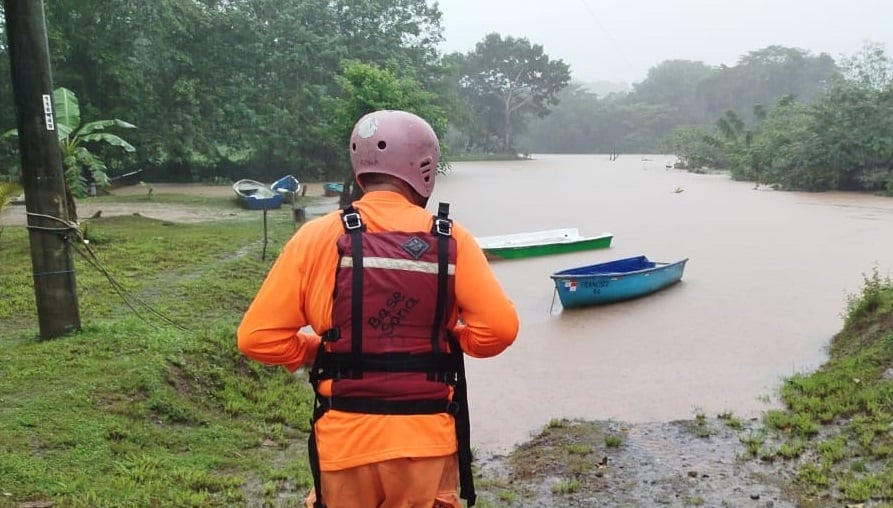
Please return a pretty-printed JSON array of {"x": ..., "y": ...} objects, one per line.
[
  {"x": 781, "y": 117},
  {"x": 257, "y": 88}
]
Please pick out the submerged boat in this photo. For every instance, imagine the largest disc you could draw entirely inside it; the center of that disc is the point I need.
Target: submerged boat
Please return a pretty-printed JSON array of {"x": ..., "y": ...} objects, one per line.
[
  {"x": 541, "y": 243},
  {"x": 613, "y": 281},
  {"x": 288, "y": 186},
  {"x": 255, "y": 195}
]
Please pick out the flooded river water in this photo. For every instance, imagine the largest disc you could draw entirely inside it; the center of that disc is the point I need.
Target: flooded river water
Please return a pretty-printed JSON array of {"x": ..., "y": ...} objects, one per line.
[{"x": 763, "y": 292}]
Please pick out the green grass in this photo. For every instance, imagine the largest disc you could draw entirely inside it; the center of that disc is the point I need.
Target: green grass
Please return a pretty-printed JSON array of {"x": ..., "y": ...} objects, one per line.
[
  {"x": 565, "y": 486},
  {"x": 837, "y": 422},
  {"x": 150, "y": 405}
]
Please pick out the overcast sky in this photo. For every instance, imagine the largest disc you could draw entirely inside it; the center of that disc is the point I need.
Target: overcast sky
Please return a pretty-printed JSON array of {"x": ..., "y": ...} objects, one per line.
[{"x": 619, "y": 40}]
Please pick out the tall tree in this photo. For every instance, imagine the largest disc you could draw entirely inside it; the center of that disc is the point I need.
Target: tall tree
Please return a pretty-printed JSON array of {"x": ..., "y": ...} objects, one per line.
[
  {"x": 764, "y": 76},
  {"x": 869, "y": 68},
  {"x": 405, "y": 31},
  {"x": 674, "y": 83},
  {"x": 511, "y": 79},
  {"x": 230, "y": 87},
  {"x": 366, "y": 88}
]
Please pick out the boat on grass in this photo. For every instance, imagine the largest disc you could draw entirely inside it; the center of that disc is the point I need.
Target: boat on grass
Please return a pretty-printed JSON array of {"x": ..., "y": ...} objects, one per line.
[
  {"x": 614, "y": 281},
  {"x": 255, "y": 195},
  {"x": 541, "y": 243},
  {"x": 288, "y": 186},
  {"x": 332, "y": 189}
]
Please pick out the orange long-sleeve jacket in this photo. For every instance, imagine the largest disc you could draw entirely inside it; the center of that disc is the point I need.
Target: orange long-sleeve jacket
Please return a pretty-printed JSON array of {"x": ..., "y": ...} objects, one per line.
[{"x": 298, "y": 291}]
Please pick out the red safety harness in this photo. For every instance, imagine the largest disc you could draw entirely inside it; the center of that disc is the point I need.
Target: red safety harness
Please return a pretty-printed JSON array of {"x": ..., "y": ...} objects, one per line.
[{"x": 389, "y": 350}]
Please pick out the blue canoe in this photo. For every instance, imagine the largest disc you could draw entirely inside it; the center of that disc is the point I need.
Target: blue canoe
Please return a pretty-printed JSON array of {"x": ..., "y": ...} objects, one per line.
[
  {"x": 288, "y": 186},
  {"x": 613, "y": 281},
  {"x": 287, "y": 183},
  {"x": 333, "y": 189}
]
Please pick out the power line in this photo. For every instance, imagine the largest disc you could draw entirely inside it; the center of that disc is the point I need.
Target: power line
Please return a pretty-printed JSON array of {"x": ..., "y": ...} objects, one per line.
[
  {"x": 81, "y": 246},
  {"x": 610, "y": 37}
]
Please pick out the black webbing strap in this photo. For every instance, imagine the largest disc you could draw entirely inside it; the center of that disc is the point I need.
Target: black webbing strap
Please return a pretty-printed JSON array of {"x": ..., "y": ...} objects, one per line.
[
  {"x": 442, "y": 228},
  {"x": 313, "y": 456},
  {"x": 354, "y": 226},
  {"x": 312, "y": 451},
  {"x": 463, "y": 427},
  {"x": 340, "y": 365},
  {"x": 388, "y": 407}
]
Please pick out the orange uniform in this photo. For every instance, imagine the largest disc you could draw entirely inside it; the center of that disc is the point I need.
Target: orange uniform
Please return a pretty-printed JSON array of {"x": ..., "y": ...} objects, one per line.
[{"x": 298, "y": 292}]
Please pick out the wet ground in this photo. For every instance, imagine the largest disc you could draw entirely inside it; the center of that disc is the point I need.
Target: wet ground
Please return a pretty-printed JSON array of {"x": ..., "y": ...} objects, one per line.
[
  {"x": 672, "y": 464},
  {"x": 15, "y": 215}
]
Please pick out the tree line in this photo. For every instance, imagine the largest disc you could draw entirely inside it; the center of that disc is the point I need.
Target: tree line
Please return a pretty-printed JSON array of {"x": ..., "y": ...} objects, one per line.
[
  {"x": 260, "y": 88},
  {"x": 840, "y": 140},
  {"x": 781, "y": 117},
  {"x": 675, "y": 93}
]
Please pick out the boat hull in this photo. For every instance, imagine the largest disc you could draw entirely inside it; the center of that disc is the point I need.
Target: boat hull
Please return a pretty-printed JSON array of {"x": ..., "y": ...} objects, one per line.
[
  {"x": 541, "y": 243},
  {"x": 615, "y": 281},
  {"x": 256, "y": 196},
  {"x": 288, "y": 187},
  {"x": 332, "y": 189}
]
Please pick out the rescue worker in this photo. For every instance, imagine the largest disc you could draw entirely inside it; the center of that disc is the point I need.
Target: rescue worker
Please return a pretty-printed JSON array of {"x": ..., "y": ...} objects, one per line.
[{"x": 394, "y": 295}]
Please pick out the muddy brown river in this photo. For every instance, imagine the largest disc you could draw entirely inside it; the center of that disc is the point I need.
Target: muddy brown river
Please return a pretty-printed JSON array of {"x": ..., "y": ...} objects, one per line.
[{"x": 767, "y": 280}]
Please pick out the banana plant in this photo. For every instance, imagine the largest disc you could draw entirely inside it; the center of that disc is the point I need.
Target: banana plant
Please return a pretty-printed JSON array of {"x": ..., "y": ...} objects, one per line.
[{"x": 81, "y": 165}]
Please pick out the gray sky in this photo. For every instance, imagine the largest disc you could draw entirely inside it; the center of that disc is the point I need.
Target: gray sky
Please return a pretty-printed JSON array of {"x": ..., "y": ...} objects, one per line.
[{"x": 619, "y": 40}]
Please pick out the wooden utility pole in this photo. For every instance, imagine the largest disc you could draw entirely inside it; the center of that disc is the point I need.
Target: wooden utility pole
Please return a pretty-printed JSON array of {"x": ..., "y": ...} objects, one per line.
[{"x": 43, "y": 178}]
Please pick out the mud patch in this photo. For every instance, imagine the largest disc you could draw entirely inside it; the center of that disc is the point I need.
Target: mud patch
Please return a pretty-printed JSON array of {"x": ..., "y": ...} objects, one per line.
[{"x": 610, "y": 464}]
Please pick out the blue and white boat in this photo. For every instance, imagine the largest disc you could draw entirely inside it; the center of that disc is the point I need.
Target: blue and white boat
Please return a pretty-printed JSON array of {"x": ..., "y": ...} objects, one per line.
[
  {"x": 254, "y": 195},
  {"x": 614, "y": 281},
  {"x": 288, "y": 186}
]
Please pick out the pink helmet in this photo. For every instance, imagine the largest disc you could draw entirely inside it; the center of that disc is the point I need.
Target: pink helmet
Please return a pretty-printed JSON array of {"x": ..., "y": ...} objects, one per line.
[{"x": 396, "y": 143}]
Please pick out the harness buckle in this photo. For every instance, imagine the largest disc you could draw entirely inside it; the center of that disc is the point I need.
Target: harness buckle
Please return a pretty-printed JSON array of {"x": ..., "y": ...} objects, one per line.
[
  {"x": 352, "y": 221},
  {"x": 331, "y": 335},
  {"x": 443, "y": 226},
  {"x": 323, "y": 404}
]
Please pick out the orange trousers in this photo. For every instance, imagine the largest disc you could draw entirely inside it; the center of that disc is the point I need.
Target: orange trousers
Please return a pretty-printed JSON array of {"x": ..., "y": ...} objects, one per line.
[{"x": 429, "y": 482}]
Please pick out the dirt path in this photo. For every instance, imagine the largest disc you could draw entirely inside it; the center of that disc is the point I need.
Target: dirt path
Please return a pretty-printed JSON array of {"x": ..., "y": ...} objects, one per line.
[{"x": 14, "y": 215}]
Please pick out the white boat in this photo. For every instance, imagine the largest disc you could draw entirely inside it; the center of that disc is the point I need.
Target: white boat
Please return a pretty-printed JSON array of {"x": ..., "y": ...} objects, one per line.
[
  {"x": 541, "y": 243},
  {"x": 255, "y": 195}
]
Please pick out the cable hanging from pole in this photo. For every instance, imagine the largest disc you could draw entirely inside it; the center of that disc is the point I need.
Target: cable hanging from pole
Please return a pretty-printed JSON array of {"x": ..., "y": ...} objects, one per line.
[{"x": 81, "y": 246}]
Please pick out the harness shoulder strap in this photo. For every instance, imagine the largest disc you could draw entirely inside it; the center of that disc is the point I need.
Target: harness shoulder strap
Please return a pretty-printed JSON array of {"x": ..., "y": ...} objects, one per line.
[
  {"x": 442, "y": 229},
  {"x": 355, "y": 227}
]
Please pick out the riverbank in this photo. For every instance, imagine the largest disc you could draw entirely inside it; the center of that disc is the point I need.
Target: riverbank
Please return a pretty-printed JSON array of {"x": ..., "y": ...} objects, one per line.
[
  {"x": 829, "y": 447},
  {"x": 700, "y": 462},
  {"x": 135, "y": 410}
]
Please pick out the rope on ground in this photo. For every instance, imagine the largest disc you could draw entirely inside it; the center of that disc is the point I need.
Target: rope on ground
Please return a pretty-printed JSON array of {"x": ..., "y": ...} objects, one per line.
[{"x": 81, "y": 245}]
